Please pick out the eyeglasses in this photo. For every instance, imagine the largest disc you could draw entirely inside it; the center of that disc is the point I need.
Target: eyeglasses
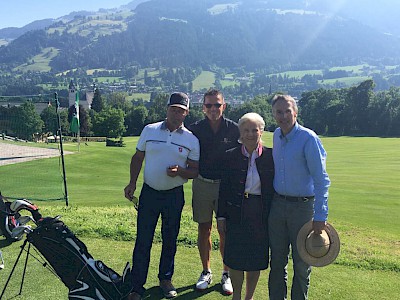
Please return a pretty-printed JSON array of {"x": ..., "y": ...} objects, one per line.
[{"x": 209, "y": 105}]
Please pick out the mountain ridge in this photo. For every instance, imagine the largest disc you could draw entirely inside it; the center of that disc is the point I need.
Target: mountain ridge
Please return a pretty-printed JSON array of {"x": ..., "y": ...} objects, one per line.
[{"x": 255, "y": 34}]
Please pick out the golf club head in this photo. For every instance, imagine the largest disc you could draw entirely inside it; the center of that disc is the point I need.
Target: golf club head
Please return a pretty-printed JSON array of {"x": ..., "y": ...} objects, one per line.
[
  {"x": 24, "y": 219},
  {"x": 19, "y": 231},
  {"x": 19, "y": 204}
]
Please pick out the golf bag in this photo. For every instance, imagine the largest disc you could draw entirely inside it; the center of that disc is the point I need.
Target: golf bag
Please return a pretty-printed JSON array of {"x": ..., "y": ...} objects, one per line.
[
  {"x": 85, "y": 277},
  {"x": 12, "y": 223}
]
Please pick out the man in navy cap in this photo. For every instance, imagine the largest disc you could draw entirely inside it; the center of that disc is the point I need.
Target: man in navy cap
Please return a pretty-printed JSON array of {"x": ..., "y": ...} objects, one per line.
[{"x": 172, "y": 153}]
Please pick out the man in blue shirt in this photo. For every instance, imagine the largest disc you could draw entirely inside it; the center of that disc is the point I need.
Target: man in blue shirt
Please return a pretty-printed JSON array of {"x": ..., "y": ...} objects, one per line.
[{"x": 301, "y": 185}]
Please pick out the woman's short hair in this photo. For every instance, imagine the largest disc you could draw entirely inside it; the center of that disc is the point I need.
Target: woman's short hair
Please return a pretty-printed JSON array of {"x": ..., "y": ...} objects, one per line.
[{"x": 252, "y": 117}]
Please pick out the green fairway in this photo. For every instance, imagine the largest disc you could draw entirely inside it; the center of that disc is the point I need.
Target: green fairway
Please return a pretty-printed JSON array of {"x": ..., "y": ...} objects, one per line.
[{"x": 364, "y": 204}]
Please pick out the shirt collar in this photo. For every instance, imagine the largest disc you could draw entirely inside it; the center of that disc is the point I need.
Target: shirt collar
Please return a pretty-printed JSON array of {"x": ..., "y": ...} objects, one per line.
[
  {"x": 164, "y": 127},
  {"x": 291, "y": 134},
  {"x": 223, "y": 121},
  {"x": 258, "y": 150}
]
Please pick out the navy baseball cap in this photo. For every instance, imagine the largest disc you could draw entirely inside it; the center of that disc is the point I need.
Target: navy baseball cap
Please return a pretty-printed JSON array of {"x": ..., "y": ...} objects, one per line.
[{"x": 179, "y": 99}]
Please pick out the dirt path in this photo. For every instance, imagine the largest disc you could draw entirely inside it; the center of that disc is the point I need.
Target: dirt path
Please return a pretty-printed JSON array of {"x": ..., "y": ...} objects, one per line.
[{"x": 11, "y": 154}]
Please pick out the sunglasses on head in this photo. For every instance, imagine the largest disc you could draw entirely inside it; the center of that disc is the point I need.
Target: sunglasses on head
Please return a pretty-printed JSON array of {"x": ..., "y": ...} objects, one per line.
[{"x": 209, "y": 105}]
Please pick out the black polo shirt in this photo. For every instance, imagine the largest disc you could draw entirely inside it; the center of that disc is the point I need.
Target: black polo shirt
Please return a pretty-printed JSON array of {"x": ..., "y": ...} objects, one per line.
[{"x": 213, "y": 145}]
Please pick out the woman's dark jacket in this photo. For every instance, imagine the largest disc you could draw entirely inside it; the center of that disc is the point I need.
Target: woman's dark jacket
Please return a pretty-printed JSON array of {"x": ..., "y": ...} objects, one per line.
[{"x": 232, "y": 187}]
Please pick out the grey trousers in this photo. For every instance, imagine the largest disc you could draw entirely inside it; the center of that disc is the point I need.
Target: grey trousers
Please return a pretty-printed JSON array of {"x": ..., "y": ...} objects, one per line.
[{"x": 285, "y": 221}]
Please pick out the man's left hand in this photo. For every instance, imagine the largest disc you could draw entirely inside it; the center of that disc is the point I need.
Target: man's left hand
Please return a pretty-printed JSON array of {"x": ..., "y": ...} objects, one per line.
[{"x": 318, "y": 226}]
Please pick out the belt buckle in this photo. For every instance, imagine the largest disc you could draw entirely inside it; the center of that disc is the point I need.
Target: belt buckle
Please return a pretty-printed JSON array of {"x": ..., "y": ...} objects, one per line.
[{"x": 246, "y": 195}]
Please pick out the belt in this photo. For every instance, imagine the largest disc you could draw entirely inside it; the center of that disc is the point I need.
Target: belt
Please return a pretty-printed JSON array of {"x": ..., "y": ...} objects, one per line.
[
  {"x": 170, "y": 191},
  {"x": 208, "y": 180},
  {"x": 294, "y": 199},
  {"x": 247, "y": 195}
]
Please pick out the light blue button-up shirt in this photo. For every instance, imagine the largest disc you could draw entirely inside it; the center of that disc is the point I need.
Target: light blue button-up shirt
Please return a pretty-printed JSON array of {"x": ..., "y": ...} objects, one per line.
[{"x": 300, "y": 167}]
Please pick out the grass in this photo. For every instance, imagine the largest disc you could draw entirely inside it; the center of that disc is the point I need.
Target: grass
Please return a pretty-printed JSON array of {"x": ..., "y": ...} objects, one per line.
[
  {"x": 348, "y": 81},
  {"x": 226, "y": 83},
  {"x": 40, "y": 62},
  {"x": 204, "y": 81},
  {"x": 355, "y": 69},
  {"x": 91, "y": 71},
  {"x": 151, "y": 72},
  {"x": 364, "y": 208},
  {"x": 136, "y": 96},
  {"x": 332, "y": 282},
  {"x": 298, "y": 74}
]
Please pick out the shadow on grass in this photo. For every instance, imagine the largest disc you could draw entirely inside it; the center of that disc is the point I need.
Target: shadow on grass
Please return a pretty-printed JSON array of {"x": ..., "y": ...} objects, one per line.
[
  {"x": 184, "y": 293},
  {"x": 4, "y": 243}
]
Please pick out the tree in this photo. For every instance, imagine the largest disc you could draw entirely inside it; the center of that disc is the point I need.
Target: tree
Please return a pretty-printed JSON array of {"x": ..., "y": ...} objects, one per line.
[
  {"x": 158, "y": 108},
  {"x": 98, "y": 103},
  {"x": 85, "y": 122},
  {"x": 64, "y": 120},
  {"x": 190, "y": 87},
  {"x": 25, "y": 121},
  {"x": 135, "y": 119},
  {"x": 49, "y": 118},
  {"x": 384, "y": 113},
  {"x": 319, "y": 110},
  {"x": 357, "y": 101},
  {"x": 260, "y": 104},
  {"x": 118, "y": 100},
  {"x": 195, "y": 114},
  {"x": 109, "y": 123}
]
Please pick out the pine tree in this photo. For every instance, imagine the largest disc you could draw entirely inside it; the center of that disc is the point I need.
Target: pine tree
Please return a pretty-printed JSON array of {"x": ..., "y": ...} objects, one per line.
[{"x": 98, "y": 103}]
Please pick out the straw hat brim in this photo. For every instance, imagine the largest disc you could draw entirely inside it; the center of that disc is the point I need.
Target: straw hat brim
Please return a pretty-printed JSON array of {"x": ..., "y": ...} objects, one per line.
[{"x": 329, "y": 257}]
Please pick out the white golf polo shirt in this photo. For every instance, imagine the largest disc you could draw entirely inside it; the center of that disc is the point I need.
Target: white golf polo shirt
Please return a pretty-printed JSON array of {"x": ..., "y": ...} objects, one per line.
[{"x": 164, "y": 148}]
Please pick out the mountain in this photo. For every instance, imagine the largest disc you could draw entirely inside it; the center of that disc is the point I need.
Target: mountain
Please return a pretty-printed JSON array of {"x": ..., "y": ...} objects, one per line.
[
  {"x": 382, "y": 15},
  {"x": 11, "y": 33},
  {"x": 286, "y": 34}
]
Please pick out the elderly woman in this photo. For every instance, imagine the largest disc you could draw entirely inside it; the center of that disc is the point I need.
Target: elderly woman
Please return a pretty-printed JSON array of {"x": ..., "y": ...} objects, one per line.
[{"x": 245, "y": 194}]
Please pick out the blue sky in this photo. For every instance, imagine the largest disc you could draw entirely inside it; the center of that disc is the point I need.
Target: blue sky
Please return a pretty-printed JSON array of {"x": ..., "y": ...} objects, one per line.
[{"x": 17, "y": 13}]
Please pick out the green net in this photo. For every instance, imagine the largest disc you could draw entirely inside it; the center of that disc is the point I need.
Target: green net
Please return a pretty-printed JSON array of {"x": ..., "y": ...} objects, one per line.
[{"x": 30, "y": 154}]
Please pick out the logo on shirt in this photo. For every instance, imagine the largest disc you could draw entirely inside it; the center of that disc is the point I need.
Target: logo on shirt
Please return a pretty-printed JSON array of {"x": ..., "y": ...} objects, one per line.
[{"x": 226, "y": 141}]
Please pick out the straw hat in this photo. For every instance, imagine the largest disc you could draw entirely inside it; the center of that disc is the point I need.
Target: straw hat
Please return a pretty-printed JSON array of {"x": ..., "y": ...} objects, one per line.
[{"x": 318, "y": 250}]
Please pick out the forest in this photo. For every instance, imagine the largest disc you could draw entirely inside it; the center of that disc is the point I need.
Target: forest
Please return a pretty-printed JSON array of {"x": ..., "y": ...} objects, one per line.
[{"x": 354, "y": 111}]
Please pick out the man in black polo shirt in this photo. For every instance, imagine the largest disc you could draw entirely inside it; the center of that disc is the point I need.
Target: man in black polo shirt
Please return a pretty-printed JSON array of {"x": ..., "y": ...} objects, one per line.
[{"x": 216, "y": 134}]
